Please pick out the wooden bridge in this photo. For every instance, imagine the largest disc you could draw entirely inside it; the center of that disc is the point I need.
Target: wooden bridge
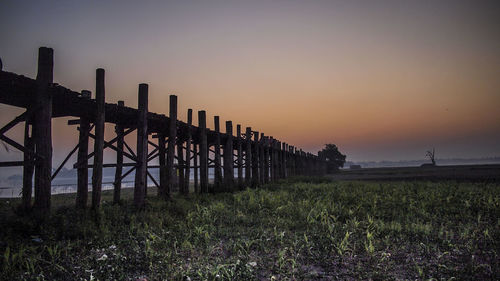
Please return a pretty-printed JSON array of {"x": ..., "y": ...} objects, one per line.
[{"x": 258, "y": 158}]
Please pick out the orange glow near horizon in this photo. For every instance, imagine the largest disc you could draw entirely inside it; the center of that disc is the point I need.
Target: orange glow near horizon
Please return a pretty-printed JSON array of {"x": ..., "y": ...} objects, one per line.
[{"x": 371, "y": 78}]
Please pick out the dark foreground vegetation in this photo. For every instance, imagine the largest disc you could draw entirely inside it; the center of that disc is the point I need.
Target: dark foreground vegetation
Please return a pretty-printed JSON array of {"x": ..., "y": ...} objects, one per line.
[{"x": 293, "y": 230}]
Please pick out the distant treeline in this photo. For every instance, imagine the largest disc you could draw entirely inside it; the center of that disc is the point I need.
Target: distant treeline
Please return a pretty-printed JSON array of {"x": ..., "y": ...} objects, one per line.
[{"x": 411, "y": 163}]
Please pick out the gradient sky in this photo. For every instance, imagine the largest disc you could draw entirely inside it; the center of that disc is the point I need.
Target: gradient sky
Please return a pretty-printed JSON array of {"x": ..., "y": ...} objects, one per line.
[{"x": 384, "y": 80}]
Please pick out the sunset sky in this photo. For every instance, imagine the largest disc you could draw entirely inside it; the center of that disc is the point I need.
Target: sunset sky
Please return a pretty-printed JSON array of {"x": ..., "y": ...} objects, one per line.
[{"x": 384, "y": 80}]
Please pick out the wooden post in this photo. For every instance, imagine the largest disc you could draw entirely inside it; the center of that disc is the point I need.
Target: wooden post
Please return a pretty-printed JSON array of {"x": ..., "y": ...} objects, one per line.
[
  {"x": 43, "y": 130},
  {"x": 266, "y": 160},
  {"x": 248, "y": 156},
  {"x": 82, "y": 190},
  {"x": 285, "y": 160},
  {"x": 28, "y": 164},
  {"x": 240, "y": 156},
  {"x": 119, "y": 130},
  {"x": 277, "y": 162},
  {"x": 272, "y": 159},
  {"x": 217, "y": 158},
  {"x": 142, "y": 148},
  {"x": 162, "y": 192},
  {"x": 229, "y": 158},
  {"x": 255, "y": 160},
  {"x": 181, "y": 166},
  {"x": 202, "y": 123},
  {"x": 172, "y": 136},
  {"x": 99, "y": 139},
  {"x": 282, "y": 161},
  {"x": 196, "y": 168},
  {"x": 188, "y": 151},
  {"x": 261, "y": 159}
]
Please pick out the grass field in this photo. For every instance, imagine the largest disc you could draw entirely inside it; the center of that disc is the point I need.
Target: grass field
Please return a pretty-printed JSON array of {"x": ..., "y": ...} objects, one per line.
[{"x": 302, "y": 229}]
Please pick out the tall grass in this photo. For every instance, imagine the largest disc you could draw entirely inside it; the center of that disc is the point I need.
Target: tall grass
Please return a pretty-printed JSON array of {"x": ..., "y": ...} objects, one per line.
[{"x": 296, "y": 229}]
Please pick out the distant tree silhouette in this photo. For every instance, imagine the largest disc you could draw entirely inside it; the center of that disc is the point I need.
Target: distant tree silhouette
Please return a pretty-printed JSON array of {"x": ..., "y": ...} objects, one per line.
[
  {"x": 431, "y": 156},
  {"x": 335, "y": 159}
]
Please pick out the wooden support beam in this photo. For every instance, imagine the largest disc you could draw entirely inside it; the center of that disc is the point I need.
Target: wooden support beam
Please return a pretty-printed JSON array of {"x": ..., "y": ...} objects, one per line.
[
  {"x": 64, "y": 162},
  {"x": 239, "y": 162},
  {"x": 188, "y": 151},
  {"x": 195, "y": 168},
  {"x": 162, "y": 189},
  {"x": 11, "y": 163},
  {"x": 248, "y": 157},
  {"x": 117, "y": 184},
  {"x": 272, "y": 158},
  {"x": 261, "y": 159},
  {"x": 153, "y": 179},
  {"x": 229, "y": 158},
  {"x": 14, "y": 122},
  {"x": 131, "y": 155},
  {"x": 43, "y": 130},
  {"x": 28, "y": 165},
  {"x": 181, "y": 167},
  {"x": 202, "y": 123},
  {"x": 266, "y": 160},
  {"x": 82, "y": 189},
  {"x": 217, "y": 158},
  {"x": 255, "y": 160},
  {"x": 142, "y": 148},
  {"x": 172, "y": 136},
  {"x": 99, "y": 139},
  {"x": 285, "y": 159},
  {"x": 153, "y": 154},
  {"x": 280, "y": 160}
]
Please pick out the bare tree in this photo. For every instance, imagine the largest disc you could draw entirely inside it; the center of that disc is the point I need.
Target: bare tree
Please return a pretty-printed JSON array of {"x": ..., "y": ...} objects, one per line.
[{"x": 431, "y": 155}]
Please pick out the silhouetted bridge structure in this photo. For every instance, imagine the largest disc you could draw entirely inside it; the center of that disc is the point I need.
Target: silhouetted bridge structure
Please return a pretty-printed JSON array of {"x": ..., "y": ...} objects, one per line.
[{"x": 261, "y": 158}]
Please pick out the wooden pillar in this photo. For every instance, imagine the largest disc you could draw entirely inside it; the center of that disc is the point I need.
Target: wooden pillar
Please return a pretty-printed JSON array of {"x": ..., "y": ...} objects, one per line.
[
  {"x": 142, "y": 148},
  {"x": 261, "y": 159},
  {"x": 240, "y": 156},
  {"x": 229, "y": 158},
  {"x": 202, "y": 123},
  {"x": 28, "y": 164},
  {"x": 119, "y": 130},
  {"x": 99, "y": 139},
  {"x": 272, "y": 159},
  {"x": 282, "y": 160},
  {"x": 255, "y": 160},
  {"x": 188, "y": 151},
  {"x": 172, "y": 136},
  {"x": 217, "y": 158},
  {"x": 248, "y": 156},
  {"x": 285, "y": 159},
  {"x": 266, "y": 160},
  {"x": 181, "y": 166},
  {"x": 196, "y": 168},
  {"x": 276, "y": 159},
  {"x": 43, "y": 130},
  {"x": 162, "y": 191},
  {"x": 82, "y": 189}
]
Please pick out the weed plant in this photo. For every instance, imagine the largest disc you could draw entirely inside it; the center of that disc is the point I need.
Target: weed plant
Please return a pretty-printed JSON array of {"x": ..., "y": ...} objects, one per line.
[{"x": 299, "y": 229}]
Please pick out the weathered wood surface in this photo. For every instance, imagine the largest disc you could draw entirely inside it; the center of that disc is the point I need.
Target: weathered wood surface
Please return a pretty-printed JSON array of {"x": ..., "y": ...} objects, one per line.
[
  {"x": 264, "y": 159},
  {"x": 142, "y": 148},
  {"x": 82, "y": 171},
  {"x": 229, "y": 158},
  {"x": 99, "y": 121},
  {"x": 43, "y": 103},
  {"x": 117, "y": 184}
]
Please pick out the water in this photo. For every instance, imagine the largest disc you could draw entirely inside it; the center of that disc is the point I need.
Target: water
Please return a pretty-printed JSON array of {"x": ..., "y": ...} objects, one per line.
[{"x": 62, "y": 185}]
